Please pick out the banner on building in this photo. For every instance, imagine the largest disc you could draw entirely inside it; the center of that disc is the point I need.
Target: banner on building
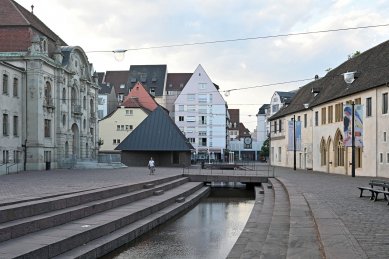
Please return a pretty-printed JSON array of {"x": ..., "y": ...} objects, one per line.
[
  {"x": 291, "y": 135},
  {"x": 358, "y": 125}
]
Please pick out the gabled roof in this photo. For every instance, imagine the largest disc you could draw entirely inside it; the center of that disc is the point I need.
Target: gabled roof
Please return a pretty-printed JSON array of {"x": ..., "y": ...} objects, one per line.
[
  {"x": 285, "y": 96},
  {"x": 117, "y": 79},
  {"x": 139, "y": 97},
  {"x": 14, "y": 15},
  {"x": 157, "y": 132},
  {"x": 234, "y": 115},
  {"x": 177, "y": 81},
  {"x": 372, "y": 68},
  {"x": 151, "y": 76}
]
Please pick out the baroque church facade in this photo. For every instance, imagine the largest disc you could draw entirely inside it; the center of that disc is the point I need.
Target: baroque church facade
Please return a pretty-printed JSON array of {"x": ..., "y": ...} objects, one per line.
[{"x": 48, "y": 96}]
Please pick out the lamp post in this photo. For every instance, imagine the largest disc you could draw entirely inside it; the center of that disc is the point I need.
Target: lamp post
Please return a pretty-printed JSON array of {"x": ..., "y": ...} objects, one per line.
[
  {"x": 353, "y": 140},
  {"x": 349, "y": 78},
  {"x": 294, "y": 142}
]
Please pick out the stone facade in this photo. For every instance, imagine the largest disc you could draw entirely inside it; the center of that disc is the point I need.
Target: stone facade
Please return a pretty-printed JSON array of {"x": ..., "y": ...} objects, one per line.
[{"x": 56, "y": 106}]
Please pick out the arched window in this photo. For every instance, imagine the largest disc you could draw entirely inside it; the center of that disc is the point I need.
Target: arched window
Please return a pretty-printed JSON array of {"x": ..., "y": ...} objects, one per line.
[
  {"x": 323, "y": 152},
  {"x": 339, "y": 149},
  {"x": 64, "y": 120},
  {"x": 84, "y": 124},
  {"x": 63, "y": 95}
]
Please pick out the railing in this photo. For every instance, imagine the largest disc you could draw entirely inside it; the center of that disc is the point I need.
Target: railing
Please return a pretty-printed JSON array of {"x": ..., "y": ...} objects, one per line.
[
  {"x": 241, "y": 168},
  {"x": 5, "y": 167},
  {"x": 12, "y": 165}
]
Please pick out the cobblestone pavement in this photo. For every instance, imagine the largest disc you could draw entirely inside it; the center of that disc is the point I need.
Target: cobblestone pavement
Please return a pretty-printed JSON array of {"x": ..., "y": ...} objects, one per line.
[
  {"x": 366, "y": 220},
  {"x": 34, "y": 184}
]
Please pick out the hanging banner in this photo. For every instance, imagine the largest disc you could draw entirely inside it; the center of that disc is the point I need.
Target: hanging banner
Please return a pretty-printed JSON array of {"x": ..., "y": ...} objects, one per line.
[
  {"x": 291, "y": 136},
  {"x": 358, "y": 125},
  {"x": 347, "y": 110}
]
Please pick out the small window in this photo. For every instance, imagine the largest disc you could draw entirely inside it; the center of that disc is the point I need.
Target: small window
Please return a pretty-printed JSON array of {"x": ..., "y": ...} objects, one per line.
[
  {"x": 316, "y": 118},
  {"x": 180, "y": 118},
  {"x": 385, "y": 103},
  {"x": 368, "y": 107},
  {"x": 181, "y": 108},
  {"x": 387, "y": 158},
  {"x": 5, "y": 124},
  {"x": 118, "y": 127},
  {"x": 16, "y": 126},
  {"x": 122, "y": 86},
  {"x": 381, "y": 158},
  {"x": 384, "y": 136},
  {"x": 5, "y": 84},
  {"x": 15, "y": 87},
  {"x": 64, "y": 120},
  {"x": 190, "y": 118},
  {"x": 47, "y": 128}
]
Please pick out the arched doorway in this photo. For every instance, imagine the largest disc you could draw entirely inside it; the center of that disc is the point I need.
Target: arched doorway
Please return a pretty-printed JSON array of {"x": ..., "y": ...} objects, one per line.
[
  {"x": 330, "y": 160},
  {"x": 76, "y": 140}
]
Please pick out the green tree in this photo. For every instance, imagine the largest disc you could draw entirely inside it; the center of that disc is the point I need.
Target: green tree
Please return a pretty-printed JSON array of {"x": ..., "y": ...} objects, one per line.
[
  {"x": 265, "y": 148},
  {"x": 355, "y": 54}
]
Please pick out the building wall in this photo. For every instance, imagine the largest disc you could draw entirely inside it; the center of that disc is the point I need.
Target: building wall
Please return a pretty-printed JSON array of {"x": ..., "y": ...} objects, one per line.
[
  {"x": 375, "y": 128},
  {"x": 108, "y": 127},
  {"x": 11, "y": 138},
  {"x": 60, "y": 125},
  {"x": 135, "y": 158},
  {"x": 204, "y": 114}
]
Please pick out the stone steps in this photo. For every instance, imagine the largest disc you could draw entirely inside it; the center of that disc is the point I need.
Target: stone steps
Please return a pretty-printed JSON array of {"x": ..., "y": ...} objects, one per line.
[
  {"x": 23, "y": 226},
  {"x": 276, "y": 243},
  {"x": 110, "y": 242},
  {"x": 31, "y": 207},
  {"x": 84, "y": 228},
  {"x": 281, "y": 225}
]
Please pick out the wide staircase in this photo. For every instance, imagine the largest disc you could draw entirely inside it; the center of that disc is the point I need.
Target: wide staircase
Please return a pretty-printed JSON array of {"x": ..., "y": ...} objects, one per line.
[{"x": 91, "y": 223}]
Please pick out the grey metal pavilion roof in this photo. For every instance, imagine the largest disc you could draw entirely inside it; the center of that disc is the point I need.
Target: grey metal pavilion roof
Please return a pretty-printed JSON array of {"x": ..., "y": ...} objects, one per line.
[{"x": 157, "y": 132}]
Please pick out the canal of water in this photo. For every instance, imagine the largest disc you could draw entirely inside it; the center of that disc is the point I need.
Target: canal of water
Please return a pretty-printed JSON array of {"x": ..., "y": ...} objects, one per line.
[{"x": 209, "y": 230}]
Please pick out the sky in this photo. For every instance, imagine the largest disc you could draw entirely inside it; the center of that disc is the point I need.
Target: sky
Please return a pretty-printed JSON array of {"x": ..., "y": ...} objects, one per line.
[{"x": 97, "y": 25}]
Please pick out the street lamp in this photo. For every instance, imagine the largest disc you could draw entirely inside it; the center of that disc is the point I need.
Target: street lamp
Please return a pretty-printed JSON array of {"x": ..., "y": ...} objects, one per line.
[{"x": 349, "y": 78}]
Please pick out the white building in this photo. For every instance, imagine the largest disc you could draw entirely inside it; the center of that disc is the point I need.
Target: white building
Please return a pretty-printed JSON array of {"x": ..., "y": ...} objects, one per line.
[
  {"x": 319, "y": 106},
  {"x": 201, "y": 113}
]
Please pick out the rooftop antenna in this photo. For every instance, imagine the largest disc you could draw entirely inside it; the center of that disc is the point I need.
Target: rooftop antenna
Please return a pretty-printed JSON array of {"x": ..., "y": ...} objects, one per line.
[{"x": 32, "y": 8}]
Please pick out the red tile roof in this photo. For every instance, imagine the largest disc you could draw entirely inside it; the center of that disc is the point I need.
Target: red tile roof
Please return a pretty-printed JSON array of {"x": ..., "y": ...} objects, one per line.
[
  {"x": 139, "y": 97},
  {"x": 18, "y": 26}
]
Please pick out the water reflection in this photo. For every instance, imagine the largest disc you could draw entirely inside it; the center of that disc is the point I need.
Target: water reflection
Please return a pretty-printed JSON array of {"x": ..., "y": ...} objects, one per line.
[{"x": 209, "y": 230}]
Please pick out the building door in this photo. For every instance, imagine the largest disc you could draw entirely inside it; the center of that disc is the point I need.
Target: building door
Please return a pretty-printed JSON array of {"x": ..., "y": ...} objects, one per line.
[{"x": 176, "y": 158}]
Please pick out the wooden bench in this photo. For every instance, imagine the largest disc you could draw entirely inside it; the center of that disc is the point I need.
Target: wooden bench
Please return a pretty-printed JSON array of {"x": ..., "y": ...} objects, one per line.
[{"x": 375, "y": 191}]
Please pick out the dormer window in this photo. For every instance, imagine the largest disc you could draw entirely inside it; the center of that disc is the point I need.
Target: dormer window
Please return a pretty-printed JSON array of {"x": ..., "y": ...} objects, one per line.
[
  {"x": 122, "y": 86},
  {"x": 152, "y": 91}
]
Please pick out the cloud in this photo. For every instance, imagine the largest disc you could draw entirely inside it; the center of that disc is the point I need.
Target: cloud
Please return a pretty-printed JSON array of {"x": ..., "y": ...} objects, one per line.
[{"x": 117, "y": 24}]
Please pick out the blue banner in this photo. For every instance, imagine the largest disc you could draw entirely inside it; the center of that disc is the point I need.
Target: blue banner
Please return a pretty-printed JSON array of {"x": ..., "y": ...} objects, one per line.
[{"x": 291, "y": 135}]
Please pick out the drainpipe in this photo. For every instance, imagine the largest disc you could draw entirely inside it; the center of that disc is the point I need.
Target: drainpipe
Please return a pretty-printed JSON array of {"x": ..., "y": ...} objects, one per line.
[
  {"x": 376, "y": 130},
  {"x": 25, "y": 141}
]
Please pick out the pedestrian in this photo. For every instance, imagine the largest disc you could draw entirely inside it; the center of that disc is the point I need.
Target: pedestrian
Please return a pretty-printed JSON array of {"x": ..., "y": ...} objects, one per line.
[{"x": 151, "y": 166}]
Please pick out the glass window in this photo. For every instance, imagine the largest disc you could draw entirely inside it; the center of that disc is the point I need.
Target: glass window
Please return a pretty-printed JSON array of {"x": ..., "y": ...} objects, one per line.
[
  {"x": 16, "y": 126},
  {"x": 385, "y": 103},
  {"x": 16, "y": 87},
  {"x": 5, "y": 84},
  {"x": 368, "y": 107},
  {"x": 47, "y": 128},
  {"x": 5, "y": 124}
]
